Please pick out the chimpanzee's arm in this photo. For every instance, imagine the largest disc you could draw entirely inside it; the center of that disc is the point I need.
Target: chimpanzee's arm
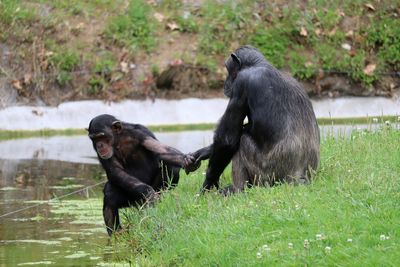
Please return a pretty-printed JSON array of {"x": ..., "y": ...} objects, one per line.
[
  {"x": 202, "y": 153},
  {"x": 226, "y": 137},
  {"x": 119, "y": 177},
  {"x": 167, "y": 153}
]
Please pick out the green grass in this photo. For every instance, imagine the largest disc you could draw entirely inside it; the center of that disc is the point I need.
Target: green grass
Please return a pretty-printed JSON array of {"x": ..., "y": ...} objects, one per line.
[
  {"x": 301, "y": 38},
  {"x": 134, "y": 29},
  {"x": 349, "y": 215}
]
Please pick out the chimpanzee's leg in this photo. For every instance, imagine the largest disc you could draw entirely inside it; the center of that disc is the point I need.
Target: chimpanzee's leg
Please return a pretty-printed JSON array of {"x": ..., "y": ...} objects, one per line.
[
  {"x": 114, "y": 198},
  {"x": 245, "y": 165}
]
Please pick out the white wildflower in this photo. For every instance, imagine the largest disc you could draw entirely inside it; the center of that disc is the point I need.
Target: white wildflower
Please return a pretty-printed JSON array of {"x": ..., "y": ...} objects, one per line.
[
  {"x": 290, "y": 245},
  {"x": 259, "y": 255},
  {"x": 349, "y": 240},
  {"x": 306, "y": 243},
  {"x": 266, "y": 248},
  {"x": 328, "y": 249}
]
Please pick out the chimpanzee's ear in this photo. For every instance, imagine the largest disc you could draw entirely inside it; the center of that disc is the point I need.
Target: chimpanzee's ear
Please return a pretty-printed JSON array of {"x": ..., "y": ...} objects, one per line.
[
  {"x": 237, "y": 60},
  {"x": 116, "y": 126}
]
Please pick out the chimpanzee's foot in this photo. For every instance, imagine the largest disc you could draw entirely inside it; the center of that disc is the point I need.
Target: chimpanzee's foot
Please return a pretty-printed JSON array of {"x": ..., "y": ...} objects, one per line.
[{"x": 227, "y": 191}]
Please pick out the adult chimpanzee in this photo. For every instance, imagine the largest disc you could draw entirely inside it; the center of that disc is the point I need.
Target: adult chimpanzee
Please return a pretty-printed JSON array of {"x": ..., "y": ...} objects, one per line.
[
  {"x": 131, "y": 156},
  {"x": 280, "y": 142}
]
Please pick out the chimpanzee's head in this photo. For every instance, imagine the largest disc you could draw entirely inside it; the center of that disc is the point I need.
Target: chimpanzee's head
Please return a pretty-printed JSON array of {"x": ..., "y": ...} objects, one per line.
[
  {"x": 102, "y": 130},
  {"x": 244, "y": 57}
]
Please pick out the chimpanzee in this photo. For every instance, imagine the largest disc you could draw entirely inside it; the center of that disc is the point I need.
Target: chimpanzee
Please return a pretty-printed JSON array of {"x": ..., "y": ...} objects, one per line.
[
  {"x": 136, "y": 164},
  {"x": 279, "y": 143}
]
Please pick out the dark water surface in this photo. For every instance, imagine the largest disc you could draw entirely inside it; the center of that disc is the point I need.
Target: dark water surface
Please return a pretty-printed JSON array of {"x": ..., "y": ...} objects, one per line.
[{"x": 68, "y": 231}]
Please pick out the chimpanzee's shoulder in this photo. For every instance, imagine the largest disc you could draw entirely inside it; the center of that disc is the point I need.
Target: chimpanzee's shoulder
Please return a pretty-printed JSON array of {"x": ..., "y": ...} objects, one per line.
[{"x": 143, "y": 129}]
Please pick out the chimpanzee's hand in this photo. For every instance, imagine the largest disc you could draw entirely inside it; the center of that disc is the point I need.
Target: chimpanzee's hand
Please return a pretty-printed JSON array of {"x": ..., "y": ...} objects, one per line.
[
  {"x": 148, "y": 193},
  {"x": 200, "y": 155},
  {"x": 151, "y": 197},
  {"x": 190, "y": 164}
]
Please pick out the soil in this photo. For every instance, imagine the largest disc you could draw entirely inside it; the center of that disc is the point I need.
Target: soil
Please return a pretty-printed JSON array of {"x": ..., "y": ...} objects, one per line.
[{"x": 30, "y": 80}]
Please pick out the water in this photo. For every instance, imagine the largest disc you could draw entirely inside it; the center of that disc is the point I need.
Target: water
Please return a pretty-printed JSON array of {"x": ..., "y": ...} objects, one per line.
[
  {"x": 77, "y": 115},
  {"x": 68, "y": 231}
]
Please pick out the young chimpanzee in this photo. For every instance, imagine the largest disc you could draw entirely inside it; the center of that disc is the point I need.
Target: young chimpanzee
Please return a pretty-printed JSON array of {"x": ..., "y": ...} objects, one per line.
[
  {"x": 136, "y": 164},
  {"x": 280, "y": 142}
]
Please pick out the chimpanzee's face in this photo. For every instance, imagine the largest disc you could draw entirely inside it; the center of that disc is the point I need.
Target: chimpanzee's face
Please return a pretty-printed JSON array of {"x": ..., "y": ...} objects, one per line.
[
  {"x": 101, "y": 133},
  {"x": 103, "y": 145}
]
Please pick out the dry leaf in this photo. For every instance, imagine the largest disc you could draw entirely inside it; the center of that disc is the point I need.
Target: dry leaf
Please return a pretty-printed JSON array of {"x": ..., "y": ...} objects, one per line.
[
  {"x": 27, "y": 78},
  {"x": 16, "y": 84},
  {"x": 317, "y": 31},
  {"x": 352, "y": 52},
  {"x": 80, "y": 26},
  {"x": 349, "y": 33},
  {"x": 159, "y": 17},
  {"x": 332, "y": 32},
  {"x": 172, "y": 26},
  {"x": 369, "y": 69},
  {"x": 303, "y": 32},
  {"x": 124, "y": 67},
  {"x": 308, "y": 64},
  {"x": 370, "y": 7}
]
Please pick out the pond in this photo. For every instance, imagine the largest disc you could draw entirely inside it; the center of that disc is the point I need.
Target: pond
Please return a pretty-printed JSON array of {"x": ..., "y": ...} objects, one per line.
[{"x": 67, "y": 230}]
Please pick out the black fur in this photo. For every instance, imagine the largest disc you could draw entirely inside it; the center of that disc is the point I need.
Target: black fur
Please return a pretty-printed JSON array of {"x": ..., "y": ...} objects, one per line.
[
  {"x": 135, "y": 172},
  {"x": 280, "y": 142}
]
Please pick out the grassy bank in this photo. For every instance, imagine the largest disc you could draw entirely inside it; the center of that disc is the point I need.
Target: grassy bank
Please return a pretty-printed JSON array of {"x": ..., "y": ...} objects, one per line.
[
  {"x": 85, "y": 49},
  {"x": 348, "y": 216}
]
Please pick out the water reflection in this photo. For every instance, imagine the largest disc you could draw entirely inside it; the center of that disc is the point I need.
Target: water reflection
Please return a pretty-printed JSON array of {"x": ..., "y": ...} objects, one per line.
[{"x": 79, "y": 149}]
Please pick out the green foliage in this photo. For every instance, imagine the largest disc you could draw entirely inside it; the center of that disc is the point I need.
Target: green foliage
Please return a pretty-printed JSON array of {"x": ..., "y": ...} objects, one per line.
[
  {"x": 64, "y": 62},
  {"x": 288, "y": 34},
  {"x": 155, "y": 70},
  {"x": 273, "y": 43},
  {"x": 347, "y": 216},
  {"x": 96, "y": 85},
  {"x": 222, "y": 24},
  {"x": 104, "y": 66},
  {"x": 134, "y": 29},
  {"x": 385, "y": 37},
  {"x": 171, "y": 5},
  {"x": 102, "y": 70},
  {"x": 357, "y": 64},
  {"x": 11, "y": 11},
  {"x": 187, "y": 23},
  {"x": 300, "y": 65}
]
